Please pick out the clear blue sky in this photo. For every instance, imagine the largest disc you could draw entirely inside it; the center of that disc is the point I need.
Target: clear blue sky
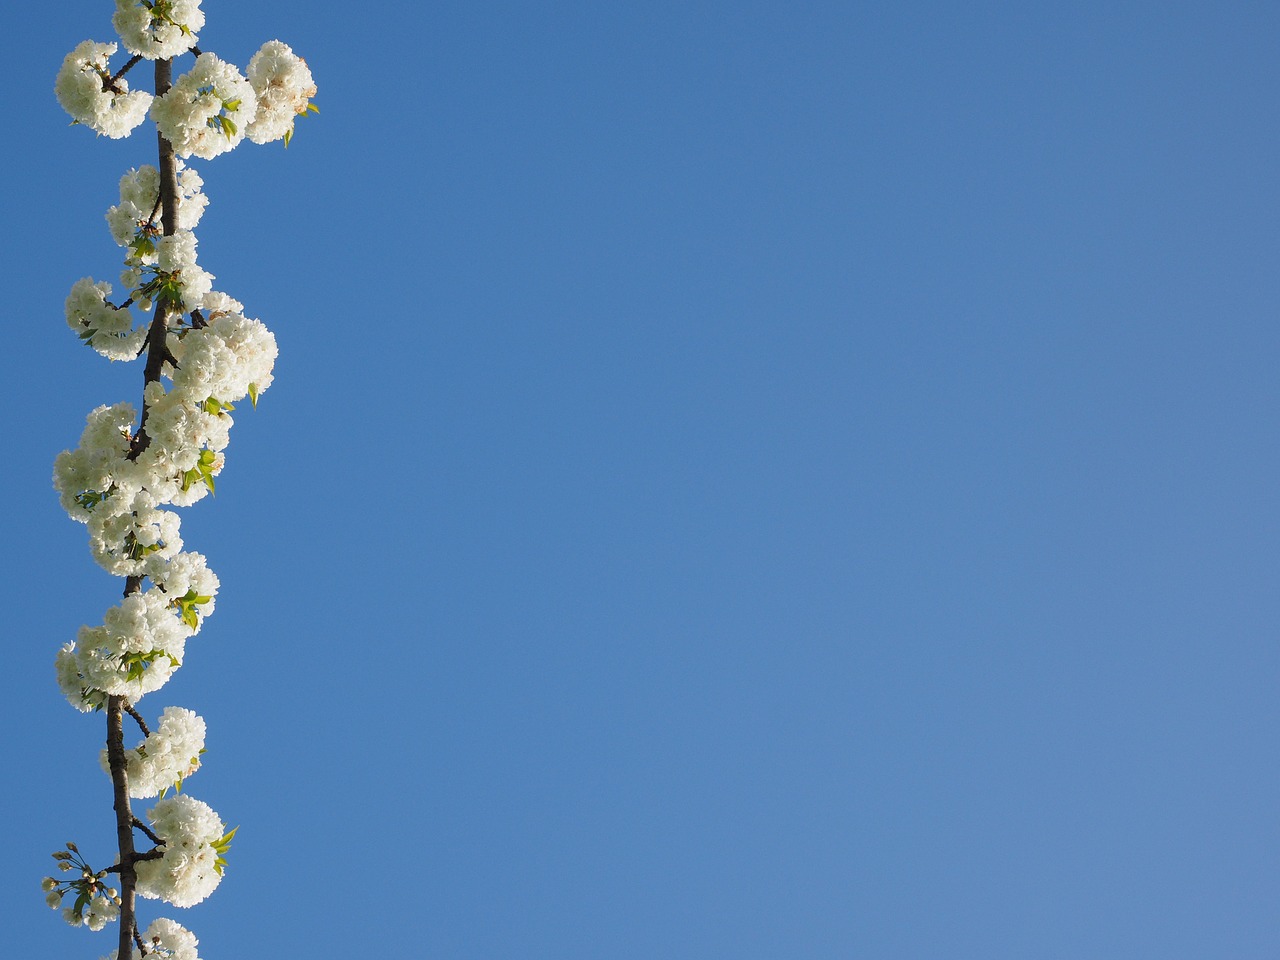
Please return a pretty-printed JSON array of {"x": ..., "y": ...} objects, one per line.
[{"x": 744, "y": 480}]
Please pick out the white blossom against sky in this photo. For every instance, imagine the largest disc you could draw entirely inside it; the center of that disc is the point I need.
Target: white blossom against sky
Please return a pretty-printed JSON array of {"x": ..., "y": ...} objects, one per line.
[{"x": 780, "y": 481}]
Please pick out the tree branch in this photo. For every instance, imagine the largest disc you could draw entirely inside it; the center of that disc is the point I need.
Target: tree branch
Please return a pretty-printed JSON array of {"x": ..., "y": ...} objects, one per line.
[
  {"x": 110, "y": 83},
  {"x": 147, "y": 830},
  {"x": 137, "y": 718},
  {"x": 157, "y": 353},
  {"x": 157, "y": 335},
  {"x": 124, "y": 819},
  {"x": 154, "y": 853}
]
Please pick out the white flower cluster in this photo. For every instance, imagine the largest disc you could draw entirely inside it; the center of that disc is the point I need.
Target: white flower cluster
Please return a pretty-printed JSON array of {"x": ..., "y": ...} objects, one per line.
[
  {"x": 168, "y": 755},
  {"x": 135, "y": 221},
  {"x": 100, "y": 911},
  {"x": 229, "y": 358},
  {"x": 282, "y": 82},
  {"x": 158, "y": 29},
  {"x": 207, "y": 110},
  {"x": 171, "y": 274},
  {"x": 94, "y": 905},
  {"x": 107, "y": 328},
  {"x": 128, "y": 469},
  {"x": 165, "y": 940},
  {"x": 219, "y": 363},
  {"x": 82, "y": 89},
  {"x": 135, "y": 651},
  {"x": 191, "y": 866},
  {"x": 142, "y": 640}
]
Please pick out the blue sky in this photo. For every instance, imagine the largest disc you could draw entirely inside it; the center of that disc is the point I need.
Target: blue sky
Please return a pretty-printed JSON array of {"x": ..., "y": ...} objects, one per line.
[{"x": 744, "y": 480}]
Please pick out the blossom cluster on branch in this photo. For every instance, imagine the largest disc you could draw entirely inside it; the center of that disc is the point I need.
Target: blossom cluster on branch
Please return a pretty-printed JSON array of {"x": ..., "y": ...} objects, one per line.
[{"x": 204, "y": 356}]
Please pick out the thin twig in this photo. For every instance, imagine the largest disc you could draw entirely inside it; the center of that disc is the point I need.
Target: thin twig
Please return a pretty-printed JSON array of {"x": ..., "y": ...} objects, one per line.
[
  {"x": 159, "y": 842},
  {"x": 111, "y": 83},
  {"x": 137, "y": 718}
]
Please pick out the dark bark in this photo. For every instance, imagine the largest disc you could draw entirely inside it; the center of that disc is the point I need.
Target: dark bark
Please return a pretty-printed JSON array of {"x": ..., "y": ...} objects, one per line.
[
  {"x": 157, "y": 354},
  {"x": 124, "y": 822}
]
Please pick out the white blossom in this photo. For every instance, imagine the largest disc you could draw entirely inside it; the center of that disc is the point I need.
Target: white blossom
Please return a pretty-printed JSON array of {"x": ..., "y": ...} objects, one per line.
[
  {"x": 207, "y": 109},
  {"x": 283, "y": 84},
  {"x": 124, "y": 530},
  {"x": 227, "y": 356},
  {"x": 170, "y": 753},
  {"x": 172, "y": 273},
  {"x": 108, "y": 329},
  {"x": 140, "y": 643},
  {"x": 131, "y": 218},
  {"x": 102, "y": 910},
  {"x": 81, "y": 89},
  {"x": 73, "y": 684},
  {"x": 88, "y": 475},
  {"x": 186, "y": 573},
  {"x": 187, "y": 437},
  {"x": 189, "y": 870},
  {"x": 165, "y": 940},
  {"x": 160, "y": 29}
]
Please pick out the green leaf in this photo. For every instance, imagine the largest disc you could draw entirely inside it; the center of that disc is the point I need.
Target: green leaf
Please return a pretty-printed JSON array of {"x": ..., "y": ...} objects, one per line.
[
  {"x": 253, "y": 387},
  {"x": 91, "y": 498}
]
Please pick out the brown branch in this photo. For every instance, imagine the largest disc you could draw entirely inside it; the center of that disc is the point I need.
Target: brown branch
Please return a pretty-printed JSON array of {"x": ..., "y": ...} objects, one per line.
[
  {"x": 137, "y": 718},
  {"x": 124, "y": 819},
  {"x": 155, "y": 853},
  {"x": 158, "y": 841},
  {"x": 109, "y": 83},
  {"x": 157, "y": 353},
  {"x": 158, "y": 334}
]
